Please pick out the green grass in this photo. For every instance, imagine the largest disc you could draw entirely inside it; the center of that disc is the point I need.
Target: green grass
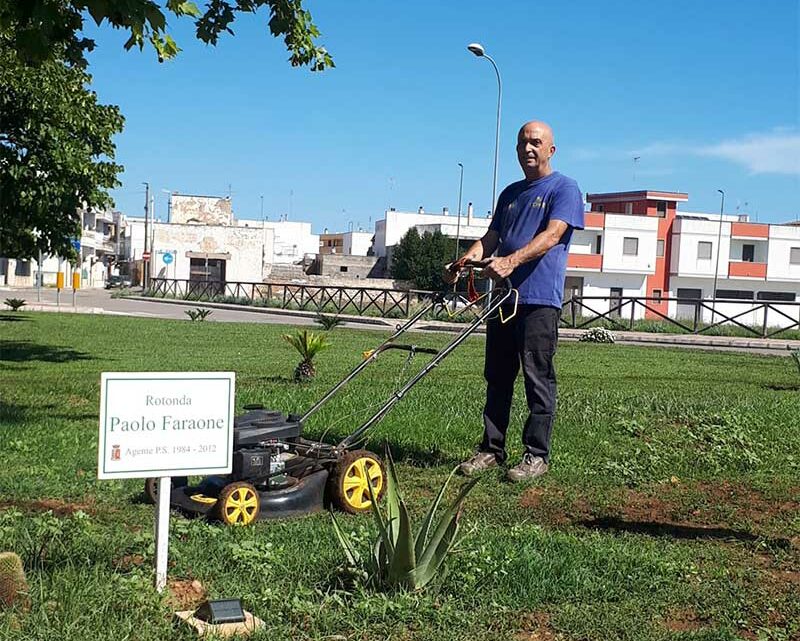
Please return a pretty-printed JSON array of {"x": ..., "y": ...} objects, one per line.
[{"x": 671, "y": 511}]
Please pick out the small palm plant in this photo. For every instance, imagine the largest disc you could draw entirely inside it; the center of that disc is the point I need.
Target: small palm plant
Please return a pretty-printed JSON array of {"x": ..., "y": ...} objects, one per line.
[
  {"x": 328, "y": 322},
  {"x": 399, "y": 558},
  {"x": 308, "y": 344},
  {"x": 198, "y": 314},
  {"x": 15, "y": 303}
]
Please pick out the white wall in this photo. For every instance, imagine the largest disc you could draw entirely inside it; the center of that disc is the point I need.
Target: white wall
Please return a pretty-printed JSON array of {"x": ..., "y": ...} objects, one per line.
[
  {"x": 617, "y": 228},
  {"x": 781, "y": 239},
  {"x": 394, "y": 226},
  {"x": 356, "y": 243},
  {"x": 244, "y": 244},
  {"x": 292, "y": 240},
  {"x": 687, "y": 234},
  {"x": 600, "y": 284}
]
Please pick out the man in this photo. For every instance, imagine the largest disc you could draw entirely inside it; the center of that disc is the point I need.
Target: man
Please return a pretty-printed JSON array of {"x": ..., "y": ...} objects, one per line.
[{"x": 531, "y": 230}]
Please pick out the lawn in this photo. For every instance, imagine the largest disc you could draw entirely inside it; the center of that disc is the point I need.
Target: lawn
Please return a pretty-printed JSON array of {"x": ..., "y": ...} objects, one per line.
[{"x": 671, "y": 511}]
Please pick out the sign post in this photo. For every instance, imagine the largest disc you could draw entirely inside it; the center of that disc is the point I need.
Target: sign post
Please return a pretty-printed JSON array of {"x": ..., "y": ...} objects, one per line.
[{"x": 164, "y": 424}]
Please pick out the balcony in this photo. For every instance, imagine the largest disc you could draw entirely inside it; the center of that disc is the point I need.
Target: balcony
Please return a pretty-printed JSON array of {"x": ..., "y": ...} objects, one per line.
[
  {"x": 743, "y": 269},
  {"x": 749, "y": 230},
  {"x": 592, "y": 262}
]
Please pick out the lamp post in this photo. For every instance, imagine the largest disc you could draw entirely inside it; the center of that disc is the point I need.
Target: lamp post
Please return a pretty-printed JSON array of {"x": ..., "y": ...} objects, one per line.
[
  {"x": 458, "y": 224},
  {"x": 145, "y": 263},
  {"x": 480, "y": 52},
  {"x": 719, "y": 251}
]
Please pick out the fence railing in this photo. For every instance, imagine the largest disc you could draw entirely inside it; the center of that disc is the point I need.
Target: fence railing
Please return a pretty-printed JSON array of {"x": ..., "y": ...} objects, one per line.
[
  {"x": 766, "y": 318},
  {"x": 308, "y": 297},
  {"x": 692, "y": 316}
]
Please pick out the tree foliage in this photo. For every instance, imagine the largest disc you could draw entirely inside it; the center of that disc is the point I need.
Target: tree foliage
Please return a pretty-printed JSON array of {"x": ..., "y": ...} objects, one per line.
[
  {"x": 44, "y": 28},
  {"x": 421, "y": 259},
  {"x": 56, "y": 154}
]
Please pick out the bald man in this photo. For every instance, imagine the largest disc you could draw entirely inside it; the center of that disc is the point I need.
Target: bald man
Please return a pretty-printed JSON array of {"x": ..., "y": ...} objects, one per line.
[{"x": 531, "y": 230}]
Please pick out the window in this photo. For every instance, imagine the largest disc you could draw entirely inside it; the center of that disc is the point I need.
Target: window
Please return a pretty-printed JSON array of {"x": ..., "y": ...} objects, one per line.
[
  {"x": 794, "y": 256},
  {"x": 661, "y": 208},
  {"x": 657, "y": 295},
  {"x": 704, "y": 250},
  {"x": 788, "y": 297},
  {"x": 629, "y": 208},
  {"x": 738, "y": 294},
  {"x": 343, "y": 268},
  {"x": 601, "y": 208},
  {"x": 748, "y": 253},
  {"x": 598, "y": 244},
  {"x": 659, "y": 248},
  {"x": 630, "y": 246}
]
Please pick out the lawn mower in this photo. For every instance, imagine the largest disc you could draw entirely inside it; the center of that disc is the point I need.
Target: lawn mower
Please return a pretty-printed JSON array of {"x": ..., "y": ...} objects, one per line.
[{"x": 278, "y": 473}]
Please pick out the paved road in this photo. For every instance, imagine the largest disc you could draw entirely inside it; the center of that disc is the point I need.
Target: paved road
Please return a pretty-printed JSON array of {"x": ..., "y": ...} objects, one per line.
[{"x": 99, "y": 301}]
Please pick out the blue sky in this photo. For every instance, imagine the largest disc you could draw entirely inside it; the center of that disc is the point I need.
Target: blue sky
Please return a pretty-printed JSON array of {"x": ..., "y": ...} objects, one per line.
[{"x": 707, "y": 94}]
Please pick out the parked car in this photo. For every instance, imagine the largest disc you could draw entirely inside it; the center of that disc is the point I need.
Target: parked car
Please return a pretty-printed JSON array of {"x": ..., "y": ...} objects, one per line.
[{"x": 118, "y": 281}]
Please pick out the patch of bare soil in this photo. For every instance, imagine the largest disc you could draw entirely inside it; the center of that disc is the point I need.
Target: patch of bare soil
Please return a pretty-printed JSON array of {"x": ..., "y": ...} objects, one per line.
[
  {"x": 710, "y": 508},
  {"x": 683, "y": 620},
  {"x": 185, "y": 594},
  {"x": 536, "y": 627},
  {"x": 56, "y": 506}
]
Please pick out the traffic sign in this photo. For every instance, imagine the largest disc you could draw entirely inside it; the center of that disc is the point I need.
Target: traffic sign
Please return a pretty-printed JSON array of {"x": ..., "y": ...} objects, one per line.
[
  {"x": 146, "y": 256},
  {"x": 76, "y": 244},
  {"x": 167, "y": 258}
]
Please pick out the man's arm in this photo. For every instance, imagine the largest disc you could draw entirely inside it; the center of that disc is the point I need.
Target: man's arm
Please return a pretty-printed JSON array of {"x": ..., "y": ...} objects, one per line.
[
  {"x": 480, "y": 248},
  {"x": 502, "y": 266}
]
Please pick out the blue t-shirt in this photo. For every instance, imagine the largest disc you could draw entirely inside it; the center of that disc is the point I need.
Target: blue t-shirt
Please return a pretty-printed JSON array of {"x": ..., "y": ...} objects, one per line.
[{"x": 524, "y": 210}]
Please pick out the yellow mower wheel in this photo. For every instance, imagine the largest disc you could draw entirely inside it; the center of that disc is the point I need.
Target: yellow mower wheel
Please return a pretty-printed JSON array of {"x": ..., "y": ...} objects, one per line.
[
  {"x": 238, "y": 504},
  {"x": 348, "y": 482}
]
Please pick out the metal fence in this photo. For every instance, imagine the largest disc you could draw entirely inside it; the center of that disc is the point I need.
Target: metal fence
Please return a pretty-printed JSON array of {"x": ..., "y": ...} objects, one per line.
[
  {"x": 336, "y": 299},
  {"x": 692, "y": 316},
  {"x": 766, "y": 318}
]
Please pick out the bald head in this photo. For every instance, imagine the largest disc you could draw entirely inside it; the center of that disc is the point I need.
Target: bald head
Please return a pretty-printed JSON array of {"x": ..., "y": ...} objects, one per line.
[{"x": 535, "y": 147}]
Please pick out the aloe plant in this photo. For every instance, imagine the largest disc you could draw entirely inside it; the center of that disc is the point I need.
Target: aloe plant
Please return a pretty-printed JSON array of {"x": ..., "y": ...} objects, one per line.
[
  {"x": 308, "y": 344},
  {"x": 399, "y": 558}
]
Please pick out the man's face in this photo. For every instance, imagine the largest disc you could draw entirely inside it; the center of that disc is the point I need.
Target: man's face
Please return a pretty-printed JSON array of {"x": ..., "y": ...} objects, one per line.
[{"x": 534, "y": 149}]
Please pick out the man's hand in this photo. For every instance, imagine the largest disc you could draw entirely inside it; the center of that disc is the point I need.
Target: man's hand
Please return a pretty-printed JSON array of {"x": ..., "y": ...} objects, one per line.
[
  {"x": 452, "y": 271},
  {"x": 501, "y": 267}
]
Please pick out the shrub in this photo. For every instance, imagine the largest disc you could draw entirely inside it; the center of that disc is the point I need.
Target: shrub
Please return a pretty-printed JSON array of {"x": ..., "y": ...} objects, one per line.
[{"x": 597, "y": 335}]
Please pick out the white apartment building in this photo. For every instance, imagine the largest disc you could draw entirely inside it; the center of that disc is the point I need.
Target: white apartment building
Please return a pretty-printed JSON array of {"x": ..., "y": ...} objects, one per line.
[
  {"x": 395, "y": 224},
  {"x": 639, "y": 244}
]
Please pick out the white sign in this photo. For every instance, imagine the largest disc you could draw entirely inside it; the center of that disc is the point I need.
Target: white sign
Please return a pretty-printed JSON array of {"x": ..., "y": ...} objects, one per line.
[{"x": 165, "y": 424}]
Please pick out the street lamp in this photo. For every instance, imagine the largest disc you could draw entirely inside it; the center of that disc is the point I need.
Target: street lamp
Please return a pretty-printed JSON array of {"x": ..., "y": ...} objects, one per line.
[
  {"x": 719, "y": 251},
  {"x": 458, "y": 224},
  {"x": 477, "y": 49}
]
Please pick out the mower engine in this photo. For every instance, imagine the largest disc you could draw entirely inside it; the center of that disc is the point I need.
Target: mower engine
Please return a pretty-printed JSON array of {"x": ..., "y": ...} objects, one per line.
[{"x": 261, "y": 447}]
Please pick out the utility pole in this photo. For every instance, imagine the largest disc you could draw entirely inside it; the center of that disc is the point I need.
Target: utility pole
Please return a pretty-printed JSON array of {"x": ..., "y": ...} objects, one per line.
[
  {"x": 145, "y": 264},
  {"x": 458, "y": 223}
]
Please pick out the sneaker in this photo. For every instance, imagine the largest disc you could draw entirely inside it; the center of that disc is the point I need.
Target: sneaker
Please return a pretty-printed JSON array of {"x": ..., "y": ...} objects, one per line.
[
  {"x": 529, "y": 468},
  {"x": 480, "y": 462}
]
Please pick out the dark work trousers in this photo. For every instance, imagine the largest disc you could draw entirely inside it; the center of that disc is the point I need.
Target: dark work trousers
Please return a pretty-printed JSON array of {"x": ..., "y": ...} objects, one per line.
[{"x": 530, "y": 339}]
